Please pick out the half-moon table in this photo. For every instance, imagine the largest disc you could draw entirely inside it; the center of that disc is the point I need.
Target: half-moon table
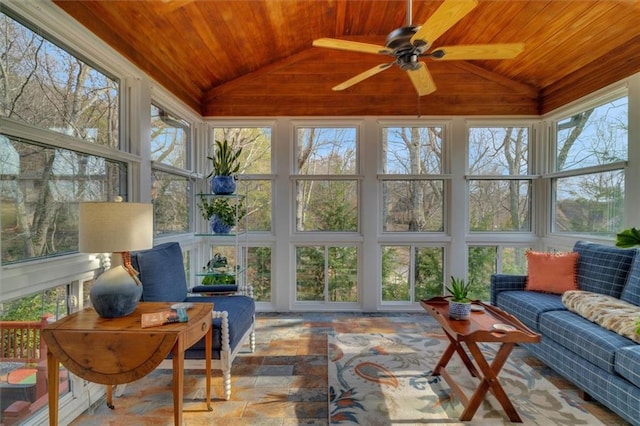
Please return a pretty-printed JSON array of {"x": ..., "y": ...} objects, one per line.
[{"x": 114, "y": 351}]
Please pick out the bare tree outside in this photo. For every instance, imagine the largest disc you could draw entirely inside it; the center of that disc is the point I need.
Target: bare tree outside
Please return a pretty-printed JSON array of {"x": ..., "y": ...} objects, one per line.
[
  {"x": 591, "y": 202},
  {"x": 43, "y": 85}
]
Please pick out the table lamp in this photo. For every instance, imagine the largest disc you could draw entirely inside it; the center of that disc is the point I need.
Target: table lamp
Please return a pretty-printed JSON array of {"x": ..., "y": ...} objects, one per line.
[{"x": 118, "y": 228}]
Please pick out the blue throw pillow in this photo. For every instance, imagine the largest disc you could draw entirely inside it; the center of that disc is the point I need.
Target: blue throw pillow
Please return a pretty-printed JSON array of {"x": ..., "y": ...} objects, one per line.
[
  {"x": 161, "y": 273},
  {"x": 631, "y": 292},
  {"x": 603, "y": 269}
]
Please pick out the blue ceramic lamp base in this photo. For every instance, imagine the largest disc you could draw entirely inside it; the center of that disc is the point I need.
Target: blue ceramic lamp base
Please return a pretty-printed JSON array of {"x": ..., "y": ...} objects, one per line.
[{"x": 115, "y": 294}]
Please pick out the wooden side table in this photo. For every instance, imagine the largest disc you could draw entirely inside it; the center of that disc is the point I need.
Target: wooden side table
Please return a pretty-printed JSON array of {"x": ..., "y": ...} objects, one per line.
[
  {"x": 479, "y": 328},
  {"x": 118, "y": 350}
]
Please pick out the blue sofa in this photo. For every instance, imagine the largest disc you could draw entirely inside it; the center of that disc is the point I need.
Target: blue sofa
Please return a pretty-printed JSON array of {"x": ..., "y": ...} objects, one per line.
[
  {"x": 602, "y": 363},
  {"x": 161, "y": 272}
]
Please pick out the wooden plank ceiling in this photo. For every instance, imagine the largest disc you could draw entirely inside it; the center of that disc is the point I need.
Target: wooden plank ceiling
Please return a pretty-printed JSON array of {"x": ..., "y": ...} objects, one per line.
[{"x": 255, "y": 58}]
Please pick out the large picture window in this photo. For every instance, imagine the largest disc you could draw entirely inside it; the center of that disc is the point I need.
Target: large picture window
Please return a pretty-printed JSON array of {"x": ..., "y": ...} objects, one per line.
[
  {"x": 498, "y": 186},
  {"x": 326, "y": 274},
  {"x": 45, "y": 86},
  {"x": 171, "y": 172},
  {"x": 326, "y": 185},
  {"x": 40, "y": 189},
  {"x": 255, "y": 175},
  {"x": 589, "y": 182},
  {"x": 412, "y": 181},
  {"x": 491, "y": 259},
  {"x": 411, "y": 273}
]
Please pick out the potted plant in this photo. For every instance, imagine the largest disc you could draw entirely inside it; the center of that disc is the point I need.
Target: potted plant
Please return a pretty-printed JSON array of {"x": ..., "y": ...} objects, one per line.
[
  {"x": 225, "y": 162},
  {"x": 460, "y": 304},
  {"x": 627, "y": 239},
  {"x": 221, "y": 212}
]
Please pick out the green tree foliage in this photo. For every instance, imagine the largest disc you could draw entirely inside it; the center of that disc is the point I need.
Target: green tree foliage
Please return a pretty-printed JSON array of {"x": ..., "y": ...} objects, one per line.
[
  {"x": 310, "y": 273},
  {"x": 33, "y": 307},
  {"x": 259, "y": 272}
]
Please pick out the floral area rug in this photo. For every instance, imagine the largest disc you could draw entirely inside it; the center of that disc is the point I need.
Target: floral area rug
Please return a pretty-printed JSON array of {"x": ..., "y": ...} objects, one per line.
[{"x": 377, "y": 379}]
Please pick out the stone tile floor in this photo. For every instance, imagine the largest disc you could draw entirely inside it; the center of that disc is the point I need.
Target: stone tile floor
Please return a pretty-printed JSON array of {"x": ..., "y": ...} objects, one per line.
[{"x": 284, "y": 382}]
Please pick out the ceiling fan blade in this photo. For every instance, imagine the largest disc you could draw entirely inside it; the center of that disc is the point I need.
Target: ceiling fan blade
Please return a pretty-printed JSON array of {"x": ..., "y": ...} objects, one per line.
[
  {"x": 478, "y": 51},
  {"x": 352, "y": 46},
  {"x": 447, "y": 15},
  {"x": 362, "y": 76},
  {"x": 422, "y": 80}
]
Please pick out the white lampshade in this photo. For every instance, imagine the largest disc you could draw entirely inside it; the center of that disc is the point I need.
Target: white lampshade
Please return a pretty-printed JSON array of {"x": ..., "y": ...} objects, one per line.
[{"x": 109, "y": 227}]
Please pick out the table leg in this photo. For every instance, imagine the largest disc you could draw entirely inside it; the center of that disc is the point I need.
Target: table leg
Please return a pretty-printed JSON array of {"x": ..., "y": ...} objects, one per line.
[
  {"x": 455, "y": 346},
  {"x": 490, "y": 382},
  {"x": 53, "y": 374},
  {"x": 178, "y": 382},
  {"x": 110, "y": 396},
  {"x": 208, "y": 341}
]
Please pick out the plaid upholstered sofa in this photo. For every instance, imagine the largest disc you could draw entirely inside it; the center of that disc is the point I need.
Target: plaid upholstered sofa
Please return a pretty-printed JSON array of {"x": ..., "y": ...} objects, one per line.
[
  {"x": 601, "y": 362},
  {"x": 161, "y": 272}
]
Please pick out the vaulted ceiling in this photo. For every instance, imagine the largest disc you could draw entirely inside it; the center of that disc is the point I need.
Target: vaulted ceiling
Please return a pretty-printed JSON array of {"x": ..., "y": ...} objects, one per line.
[{"x": 255, "y": 57}]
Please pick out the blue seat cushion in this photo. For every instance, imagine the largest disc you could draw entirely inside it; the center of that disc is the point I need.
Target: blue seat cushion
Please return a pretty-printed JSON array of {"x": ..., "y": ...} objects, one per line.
[
  {"x": 603, "y": 269},
  {"x": 215, "y": 288},
  {"x": 527, "y": 306},
  {"x": 592, "y": 342},
  {"x": 628, "y": 363},
  {"x": 161, "y": 272},
  {"x": 240, "y": 309},
  {"x": 631, "y": 291}
]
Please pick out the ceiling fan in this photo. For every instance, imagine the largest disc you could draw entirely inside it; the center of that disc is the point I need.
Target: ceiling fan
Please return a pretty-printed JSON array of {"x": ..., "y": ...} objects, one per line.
[{"x": 408, "y": 44}]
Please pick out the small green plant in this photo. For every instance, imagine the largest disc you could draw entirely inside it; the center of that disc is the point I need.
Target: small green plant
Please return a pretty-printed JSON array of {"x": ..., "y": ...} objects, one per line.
[
  {"x": 225, "y": 159},
  {"x": 459, "y": 290},
  {"x": 223, "y": 208},
  {"x": 628, "y": 238}
]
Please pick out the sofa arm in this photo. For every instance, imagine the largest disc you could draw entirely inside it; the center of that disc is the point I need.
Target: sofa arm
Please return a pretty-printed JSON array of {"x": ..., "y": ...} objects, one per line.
[{"x": 506, "y": 282}]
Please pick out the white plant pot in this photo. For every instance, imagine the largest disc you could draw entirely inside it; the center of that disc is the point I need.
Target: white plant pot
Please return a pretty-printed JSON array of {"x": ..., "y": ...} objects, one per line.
[{"x": 459, "y": 311}]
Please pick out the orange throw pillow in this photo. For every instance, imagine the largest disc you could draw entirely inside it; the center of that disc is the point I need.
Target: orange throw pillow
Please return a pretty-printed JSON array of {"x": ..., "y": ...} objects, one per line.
[{"x": 552, "y": 272}]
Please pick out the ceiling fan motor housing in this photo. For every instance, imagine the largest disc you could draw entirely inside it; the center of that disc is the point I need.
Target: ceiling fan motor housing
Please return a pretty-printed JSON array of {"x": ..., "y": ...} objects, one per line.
[{"x": 406, "y": 53}]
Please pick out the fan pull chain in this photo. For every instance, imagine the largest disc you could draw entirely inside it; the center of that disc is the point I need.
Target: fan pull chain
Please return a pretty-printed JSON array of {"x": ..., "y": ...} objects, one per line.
[{"x": 418, "y": 106}]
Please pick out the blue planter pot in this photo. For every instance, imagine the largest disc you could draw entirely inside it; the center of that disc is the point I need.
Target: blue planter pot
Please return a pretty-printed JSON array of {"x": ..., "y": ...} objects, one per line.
[
  {"x": 223, "y": 185},
  {"x": 217, "y": 227}
]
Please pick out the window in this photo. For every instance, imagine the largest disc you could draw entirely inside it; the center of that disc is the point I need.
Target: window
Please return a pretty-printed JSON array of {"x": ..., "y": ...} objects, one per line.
[
  {"x": 41, "y": 187},
  {"x": 487, "y": 260},
  {"x": 45, "y": 86},
  {"x": 256, "y": 175},
  {"x": 589, "y": 181},
  {"x": 326, "y": 273},
  {"x": 170, "y": 139},
  {"x": 411, "y": 273},
  {"x": 412, "y": 181},
  {"x": 24, "y": 346},
  {"x": 326, "y": 185},
  {"x": 171, "y": 177},
  {"x": 259, "y": 272},
  {"x": 171, "y": 202},
  {"x": 41, "y": 181},
  {"x": 498, "y": 185}
]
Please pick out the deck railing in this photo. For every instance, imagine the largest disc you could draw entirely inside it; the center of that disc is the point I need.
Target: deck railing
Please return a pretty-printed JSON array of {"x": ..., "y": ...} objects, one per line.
[{"x": 20, "y": 341}]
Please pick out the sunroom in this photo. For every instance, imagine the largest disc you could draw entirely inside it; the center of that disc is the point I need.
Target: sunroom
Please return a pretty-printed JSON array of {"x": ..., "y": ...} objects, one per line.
[{"x": 364, "y": 200}]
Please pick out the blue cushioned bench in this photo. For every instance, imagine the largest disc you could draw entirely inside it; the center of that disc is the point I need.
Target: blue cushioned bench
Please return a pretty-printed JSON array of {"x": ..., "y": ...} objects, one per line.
[{"x": 163, "y": 280}]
